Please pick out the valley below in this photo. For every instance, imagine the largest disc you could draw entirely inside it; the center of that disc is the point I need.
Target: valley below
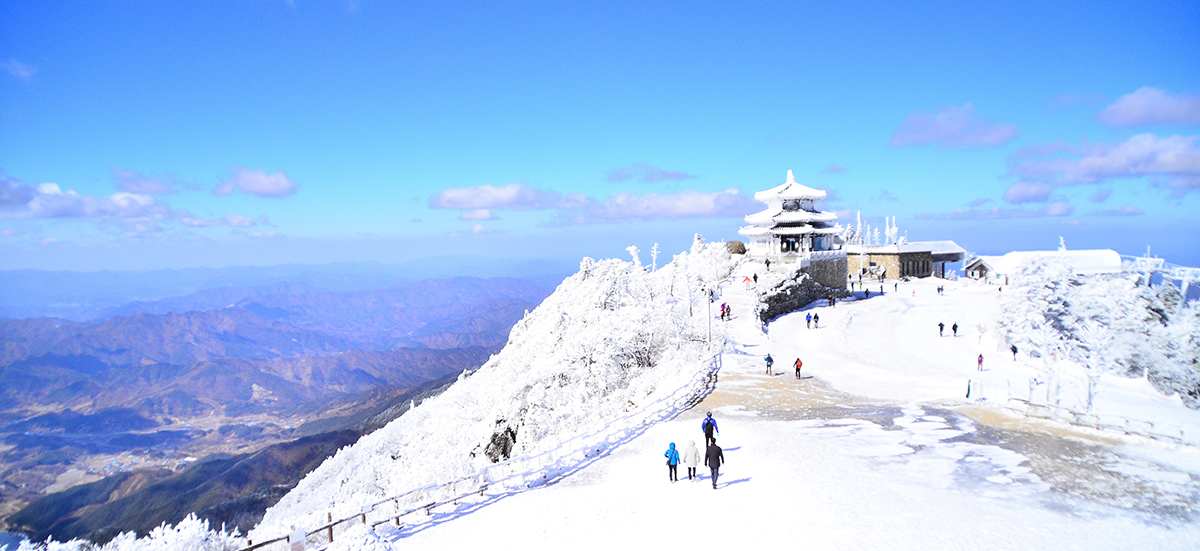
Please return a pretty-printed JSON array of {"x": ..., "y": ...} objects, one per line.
[{"x": 124, "y": 422}]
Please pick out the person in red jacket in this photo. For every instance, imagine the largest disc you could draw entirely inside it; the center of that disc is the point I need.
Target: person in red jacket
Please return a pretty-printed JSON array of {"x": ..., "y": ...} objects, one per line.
[{"x": 797, "y": 365}]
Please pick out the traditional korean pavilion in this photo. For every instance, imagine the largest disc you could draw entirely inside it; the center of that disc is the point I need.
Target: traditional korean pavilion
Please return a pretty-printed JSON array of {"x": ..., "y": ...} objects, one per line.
[{"x": 791, "y": 226}]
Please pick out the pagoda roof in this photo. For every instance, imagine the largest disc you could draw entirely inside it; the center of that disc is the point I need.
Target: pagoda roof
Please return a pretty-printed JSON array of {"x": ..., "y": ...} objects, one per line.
[
  {"x": 751, "y": 231},
  {"x": 777, "y": 216},
  {"x": 789, "y": 190}
]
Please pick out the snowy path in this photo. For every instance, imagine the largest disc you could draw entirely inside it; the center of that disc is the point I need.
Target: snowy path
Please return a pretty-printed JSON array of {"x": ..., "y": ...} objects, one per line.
[{"x": 874, "y": 451}]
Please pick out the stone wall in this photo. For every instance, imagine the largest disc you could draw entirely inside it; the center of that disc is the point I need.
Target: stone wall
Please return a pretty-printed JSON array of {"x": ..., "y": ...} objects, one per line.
[
  {"x": 830, "y": 273},
  {"x": 912, "y": 264},
  {"x": 795, "y": 291}
]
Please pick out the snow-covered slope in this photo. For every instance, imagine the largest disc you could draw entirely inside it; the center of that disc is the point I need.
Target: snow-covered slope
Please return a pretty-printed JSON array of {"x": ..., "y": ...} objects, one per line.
[{"x": 612, "y": 338}]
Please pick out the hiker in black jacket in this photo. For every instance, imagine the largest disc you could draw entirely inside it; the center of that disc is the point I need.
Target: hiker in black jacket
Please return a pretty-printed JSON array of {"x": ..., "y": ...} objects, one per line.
[{"x": 713, "y": 459}]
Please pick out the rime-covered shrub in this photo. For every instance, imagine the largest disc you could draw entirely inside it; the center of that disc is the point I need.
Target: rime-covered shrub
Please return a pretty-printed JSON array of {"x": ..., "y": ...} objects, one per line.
[
  {"x": 191, "y": 534},
  {"x": 1112, "y": 323}
]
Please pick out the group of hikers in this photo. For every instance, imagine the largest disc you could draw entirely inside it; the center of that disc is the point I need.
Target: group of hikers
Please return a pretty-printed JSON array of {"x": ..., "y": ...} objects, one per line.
[
  {"x": 942, "y": 329},
  {"x": 795, "y": 365},
  {"x": 713, "y": 455},
  {"x": 726, "y": 313}
]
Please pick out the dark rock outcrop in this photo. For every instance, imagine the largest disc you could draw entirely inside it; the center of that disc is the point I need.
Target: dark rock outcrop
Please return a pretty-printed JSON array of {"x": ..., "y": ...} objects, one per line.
[{"x": 793, "y": 292}]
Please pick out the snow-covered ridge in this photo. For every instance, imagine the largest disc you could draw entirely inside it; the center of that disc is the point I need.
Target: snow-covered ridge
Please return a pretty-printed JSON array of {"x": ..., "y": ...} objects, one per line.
[{"x": 612, "y": 339}]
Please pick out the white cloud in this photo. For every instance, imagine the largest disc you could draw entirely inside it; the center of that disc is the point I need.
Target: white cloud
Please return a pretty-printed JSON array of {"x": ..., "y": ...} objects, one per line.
[
  {"x": 644, "y": 173},
  {"x": 478, "y": 202},
  {"x": 19, "y": 70},
  {"x": 478, "y": 214},
  {"x": 1100, "y": 195},
  {"x": 136, "y": 212},
  {"x": 952, "y": 127},
  {"x": 1053, "y": 210},
  {"x": 1148, "y": 105},
  {"x": 134, "y": 182},
  {"x": 1027, "y": 192},
  {"x": 509, "y": 196},
  {"x": 257, "y": 182},
  {"x": 1141, "y": 155},
  {"x": 231, "y": 220},
  {"x": 885, "y": 196},
  {"x": 621, "y": 207},
  {"x": 1127, "y": 210},
  {"x": 48, "y": 200}
]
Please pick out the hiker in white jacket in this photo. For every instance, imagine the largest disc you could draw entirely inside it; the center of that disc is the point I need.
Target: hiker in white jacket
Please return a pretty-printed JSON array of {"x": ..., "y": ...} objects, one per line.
[{"x": 691, "y": 457}]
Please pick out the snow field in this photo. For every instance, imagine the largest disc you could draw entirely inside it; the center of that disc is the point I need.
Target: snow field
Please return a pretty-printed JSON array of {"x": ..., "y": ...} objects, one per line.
[
  {"x": 793, "y": 484},
  {"x": 887, "y": 348},
  {"x": 841, "y": 471}
]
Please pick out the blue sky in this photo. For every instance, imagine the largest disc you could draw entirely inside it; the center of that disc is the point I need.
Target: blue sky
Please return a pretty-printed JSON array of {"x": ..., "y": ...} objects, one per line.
[{"x": 168, "y": 134}]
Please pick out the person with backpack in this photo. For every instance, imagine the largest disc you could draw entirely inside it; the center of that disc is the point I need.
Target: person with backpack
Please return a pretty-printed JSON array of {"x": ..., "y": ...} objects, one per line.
[
  {"x": 709, "y": 426},
  {"x": 808, "y": 320},
  {"x": 768, "y": 264},
  {"x": 941, "y": 327},
  {"x": 797, "y": 365},
  {"x": 817, "y": 321},
  {"x": 981, "y": 362},
  {"x": 954, "y": 328},
  {"x": 691, "y": 457},
  {"x": 1014, "y": 351},
  {"x": 770, "y": 362},
  {"x": 713, "y": 458},
  {"x": 672, "y": 463}
]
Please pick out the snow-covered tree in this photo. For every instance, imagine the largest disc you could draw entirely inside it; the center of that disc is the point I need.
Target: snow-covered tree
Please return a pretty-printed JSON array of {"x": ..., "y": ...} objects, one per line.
[
  {"x": 633, "y": 251},
  {"x": 1107, "y": 323}
]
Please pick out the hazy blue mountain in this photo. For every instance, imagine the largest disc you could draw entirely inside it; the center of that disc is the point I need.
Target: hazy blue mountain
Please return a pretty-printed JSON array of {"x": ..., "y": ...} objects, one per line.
[{"x": 82, "y": 296}]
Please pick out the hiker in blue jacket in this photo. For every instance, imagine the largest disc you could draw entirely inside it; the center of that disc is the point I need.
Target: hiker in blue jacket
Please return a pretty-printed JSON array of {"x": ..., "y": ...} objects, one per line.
[
  {"x": 709, "y": 426},
  {"x": 672, "y": 462},
  {"x": 770, "y": 362}
]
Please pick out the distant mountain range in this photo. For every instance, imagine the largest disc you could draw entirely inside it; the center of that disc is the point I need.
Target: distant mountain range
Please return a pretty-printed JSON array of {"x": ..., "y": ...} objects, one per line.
[
  {"x": 85, "y": 296},
  {"x": 224, "y": 369},
  {"x": 230, "y": 490}
]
